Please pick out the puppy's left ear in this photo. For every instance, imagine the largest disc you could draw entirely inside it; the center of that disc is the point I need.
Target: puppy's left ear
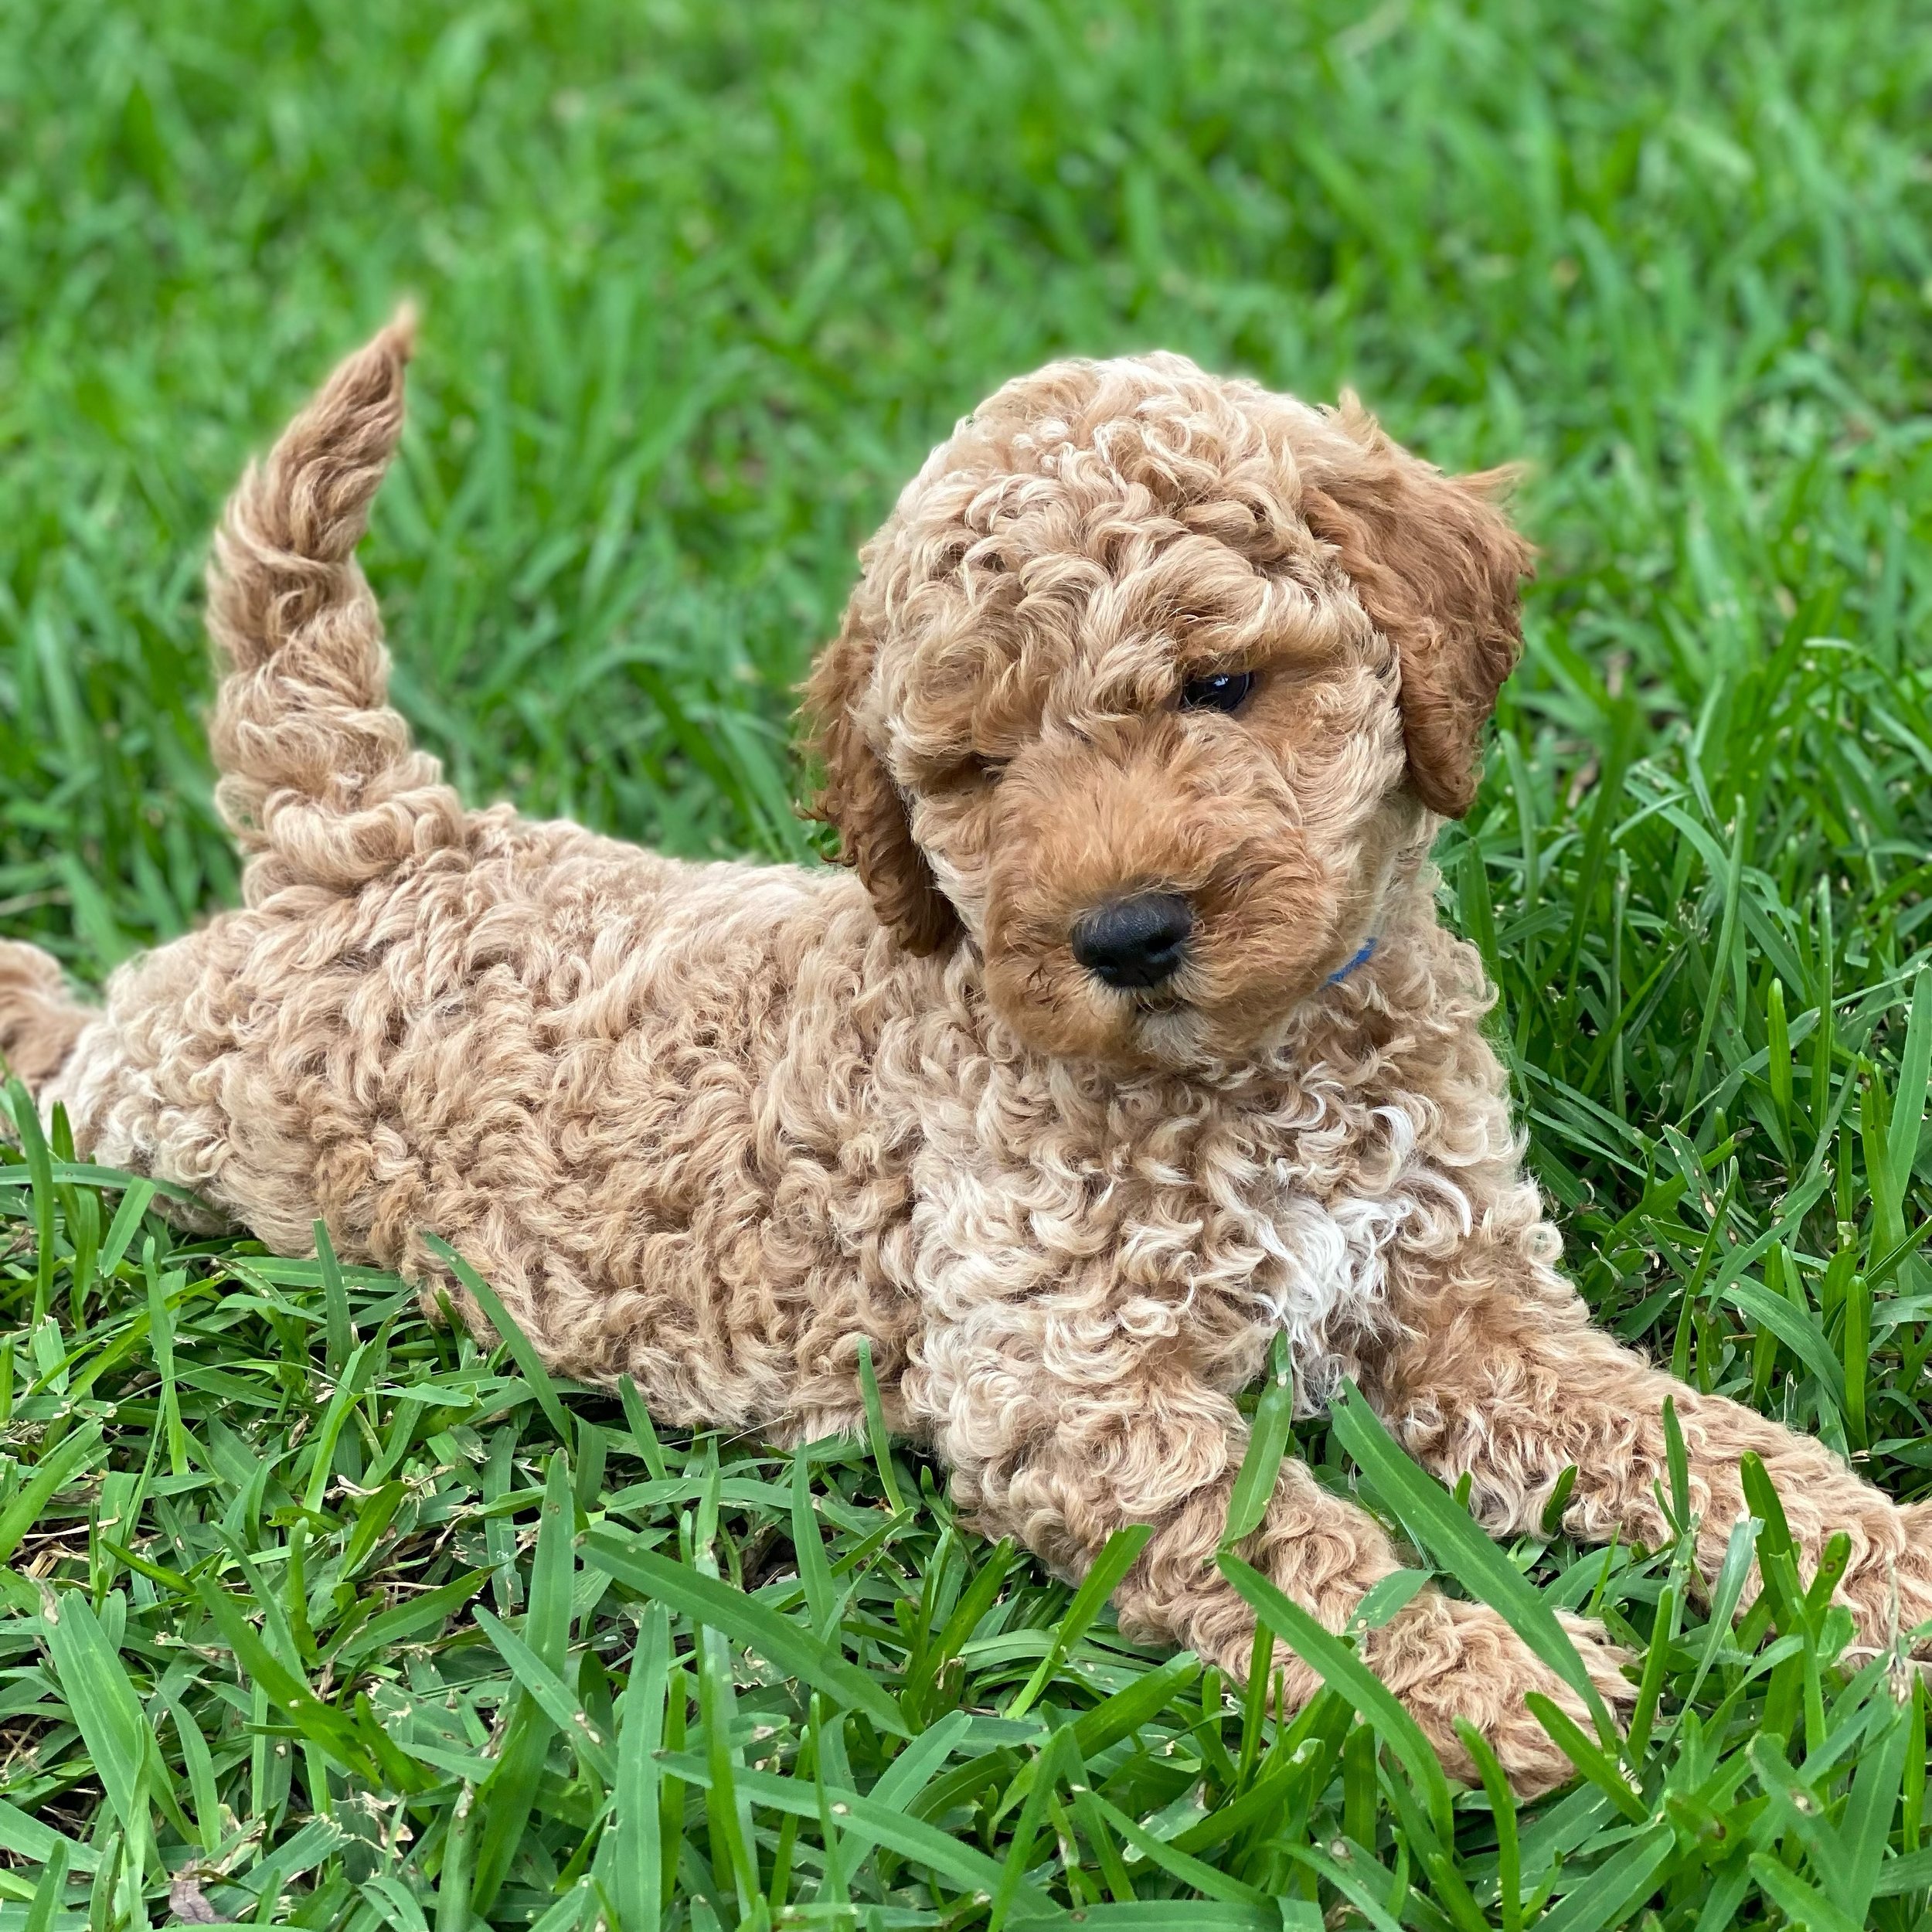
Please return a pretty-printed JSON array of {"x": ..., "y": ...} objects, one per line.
[
  {"x": 859, "y": 800},
  {"x": 1436, "y": 566}
]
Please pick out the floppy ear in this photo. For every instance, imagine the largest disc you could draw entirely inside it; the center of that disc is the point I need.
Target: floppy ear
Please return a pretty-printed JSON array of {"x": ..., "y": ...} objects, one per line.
[
  {"x": 860, "y": 800},
  {"x": 1436, "y": 568}
]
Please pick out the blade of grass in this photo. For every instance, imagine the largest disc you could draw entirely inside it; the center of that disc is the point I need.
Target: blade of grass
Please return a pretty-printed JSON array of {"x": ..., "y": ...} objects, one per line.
[
  {"x": 814, "y": 1573},
  {"x": 911, "y": 1838},
  {"x": 1181, "y": 1864},
  {"x": 637, "y": 1856},
  {"x": 549, "y": 1694},
  {"x": 876, "y": 1434},
  {"x": 33, "y": 1144},
  {"x": 1606, "y": 1895},
  {"x": 95, "y": 1685},
  {"x": 340, "y": 1331},
  {"x": 1865, "y": 1827},
  {"x": 1116, "y": 1558},
  {"x": 58, "y": 1468},
  {"x": 794, "y": 1651},
  {"x": 1342, "y": 1671},
  {"x": 1254, "y": 1485},
  {"x": 1915, "y": 1080},
  {"x": 1460, "y": 1547},
  {"x": 509, "y": 1333}
]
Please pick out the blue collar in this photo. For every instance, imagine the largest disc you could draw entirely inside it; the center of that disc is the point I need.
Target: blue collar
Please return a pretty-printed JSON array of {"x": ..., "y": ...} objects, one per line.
[{"x": 1362, "y": 958}]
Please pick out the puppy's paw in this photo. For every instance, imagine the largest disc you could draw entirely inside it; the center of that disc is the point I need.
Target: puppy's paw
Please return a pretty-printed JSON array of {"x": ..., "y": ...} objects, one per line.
[
  {"x": 1609, "y": 1664},
  {"x": 1454, "y": 1660}
]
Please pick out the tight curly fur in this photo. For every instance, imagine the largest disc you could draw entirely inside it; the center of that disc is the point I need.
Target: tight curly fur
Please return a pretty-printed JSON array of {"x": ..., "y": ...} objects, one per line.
[{"x": 712, "y": 1126}]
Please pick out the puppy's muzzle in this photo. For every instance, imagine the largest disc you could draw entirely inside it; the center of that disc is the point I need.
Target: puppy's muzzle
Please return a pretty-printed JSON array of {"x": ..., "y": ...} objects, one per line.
[{"x": 1135, "y": 944}]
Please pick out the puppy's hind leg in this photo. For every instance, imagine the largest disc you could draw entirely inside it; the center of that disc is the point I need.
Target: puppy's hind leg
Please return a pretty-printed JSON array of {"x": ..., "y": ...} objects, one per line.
[{"x": 39, "y": 1020}]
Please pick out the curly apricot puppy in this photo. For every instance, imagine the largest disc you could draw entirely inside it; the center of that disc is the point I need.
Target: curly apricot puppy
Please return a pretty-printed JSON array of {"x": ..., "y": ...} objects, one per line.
[{"x": 1134, "y": 1042}]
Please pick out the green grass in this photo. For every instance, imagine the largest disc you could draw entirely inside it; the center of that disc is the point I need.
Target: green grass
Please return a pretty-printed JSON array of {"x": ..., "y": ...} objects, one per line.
[{"x": 347, "y": 1622}]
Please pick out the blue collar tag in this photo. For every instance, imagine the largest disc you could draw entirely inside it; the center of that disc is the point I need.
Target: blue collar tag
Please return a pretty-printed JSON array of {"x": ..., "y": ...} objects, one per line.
[{"x": 1361, "y": 959}]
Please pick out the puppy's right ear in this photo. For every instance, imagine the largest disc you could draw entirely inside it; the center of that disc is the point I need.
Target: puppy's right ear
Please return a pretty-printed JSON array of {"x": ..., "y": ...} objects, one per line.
[
  {"x": 1437, "y": 568},
  {"x": 859, "y": 800}
]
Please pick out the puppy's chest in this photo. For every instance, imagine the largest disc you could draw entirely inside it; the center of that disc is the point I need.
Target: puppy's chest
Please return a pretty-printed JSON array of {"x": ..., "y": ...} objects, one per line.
[{"x": 1161, "y": 1212}]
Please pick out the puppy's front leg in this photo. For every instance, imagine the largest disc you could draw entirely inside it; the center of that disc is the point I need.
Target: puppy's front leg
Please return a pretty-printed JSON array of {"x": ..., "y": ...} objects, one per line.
[
  {"x": 1061, "y": 1461},
  {"x": 1502, "y": 1374}
]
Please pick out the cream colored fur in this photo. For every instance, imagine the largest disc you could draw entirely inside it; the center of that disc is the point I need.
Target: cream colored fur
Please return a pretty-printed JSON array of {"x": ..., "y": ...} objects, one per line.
[{"x": 712, "y": 1126}]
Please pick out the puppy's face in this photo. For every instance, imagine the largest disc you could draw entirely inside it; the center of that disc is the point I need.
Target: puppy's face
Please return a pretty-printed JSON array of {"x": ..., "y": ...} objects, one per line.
[{"x": 1150, "y": 680}]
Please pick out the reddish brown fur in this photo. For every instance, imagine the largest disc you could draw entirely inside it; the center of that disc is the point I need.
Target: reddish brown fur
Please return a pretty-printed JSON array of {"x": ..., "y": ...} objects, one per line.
[
  {"x": 858, "y": 798},
  {"x": 710, "y": 1125},
  {"x": 1436, "y": 566}
]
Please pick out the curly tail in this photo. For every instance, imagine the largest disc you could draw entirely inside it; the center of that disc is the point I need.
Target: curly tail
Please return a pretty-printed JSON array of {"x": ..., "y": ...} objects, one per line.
[{"x": 319, "y": 782}]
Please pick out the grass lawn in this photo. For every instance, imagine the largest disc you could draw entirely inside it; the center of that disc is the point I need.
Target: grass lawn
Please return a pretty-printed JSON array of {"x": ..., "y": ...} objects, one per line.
[{"x": 333, "y": 1619}]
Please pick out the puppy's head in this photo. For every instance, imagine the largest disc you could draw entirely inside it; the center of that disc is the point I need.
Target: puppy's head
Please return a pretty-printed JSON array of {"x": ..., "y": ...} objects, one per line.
[{"x": 1149, "y": 679}]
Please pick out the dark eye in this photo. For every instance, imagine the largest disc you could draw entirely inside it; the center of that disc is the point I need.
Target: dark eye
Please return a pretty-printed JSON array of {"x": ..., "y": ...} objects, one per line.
[{"x": 1223, "y": 691}]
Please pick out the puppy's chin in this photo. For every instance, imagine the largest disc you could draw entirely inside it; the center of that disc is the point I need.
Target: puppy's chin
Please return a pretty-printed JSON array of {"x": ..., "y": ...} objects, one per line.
[
  {"x": 1172, "y": 1036},
  {"x": 1076, "y": 1020}
]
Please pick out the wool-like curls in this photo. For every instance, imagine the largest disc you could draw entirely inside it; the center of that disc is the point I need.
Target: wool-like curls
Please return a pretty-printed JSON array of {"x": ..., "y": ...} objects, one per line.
[{"x": 1128, "y": 1040}]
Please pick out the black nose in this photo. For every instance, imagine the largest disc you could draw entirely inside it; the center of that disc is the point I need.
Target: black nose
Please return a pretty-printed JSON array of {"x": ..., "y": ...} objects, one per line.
[{"x": 1134, "y": 942}]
